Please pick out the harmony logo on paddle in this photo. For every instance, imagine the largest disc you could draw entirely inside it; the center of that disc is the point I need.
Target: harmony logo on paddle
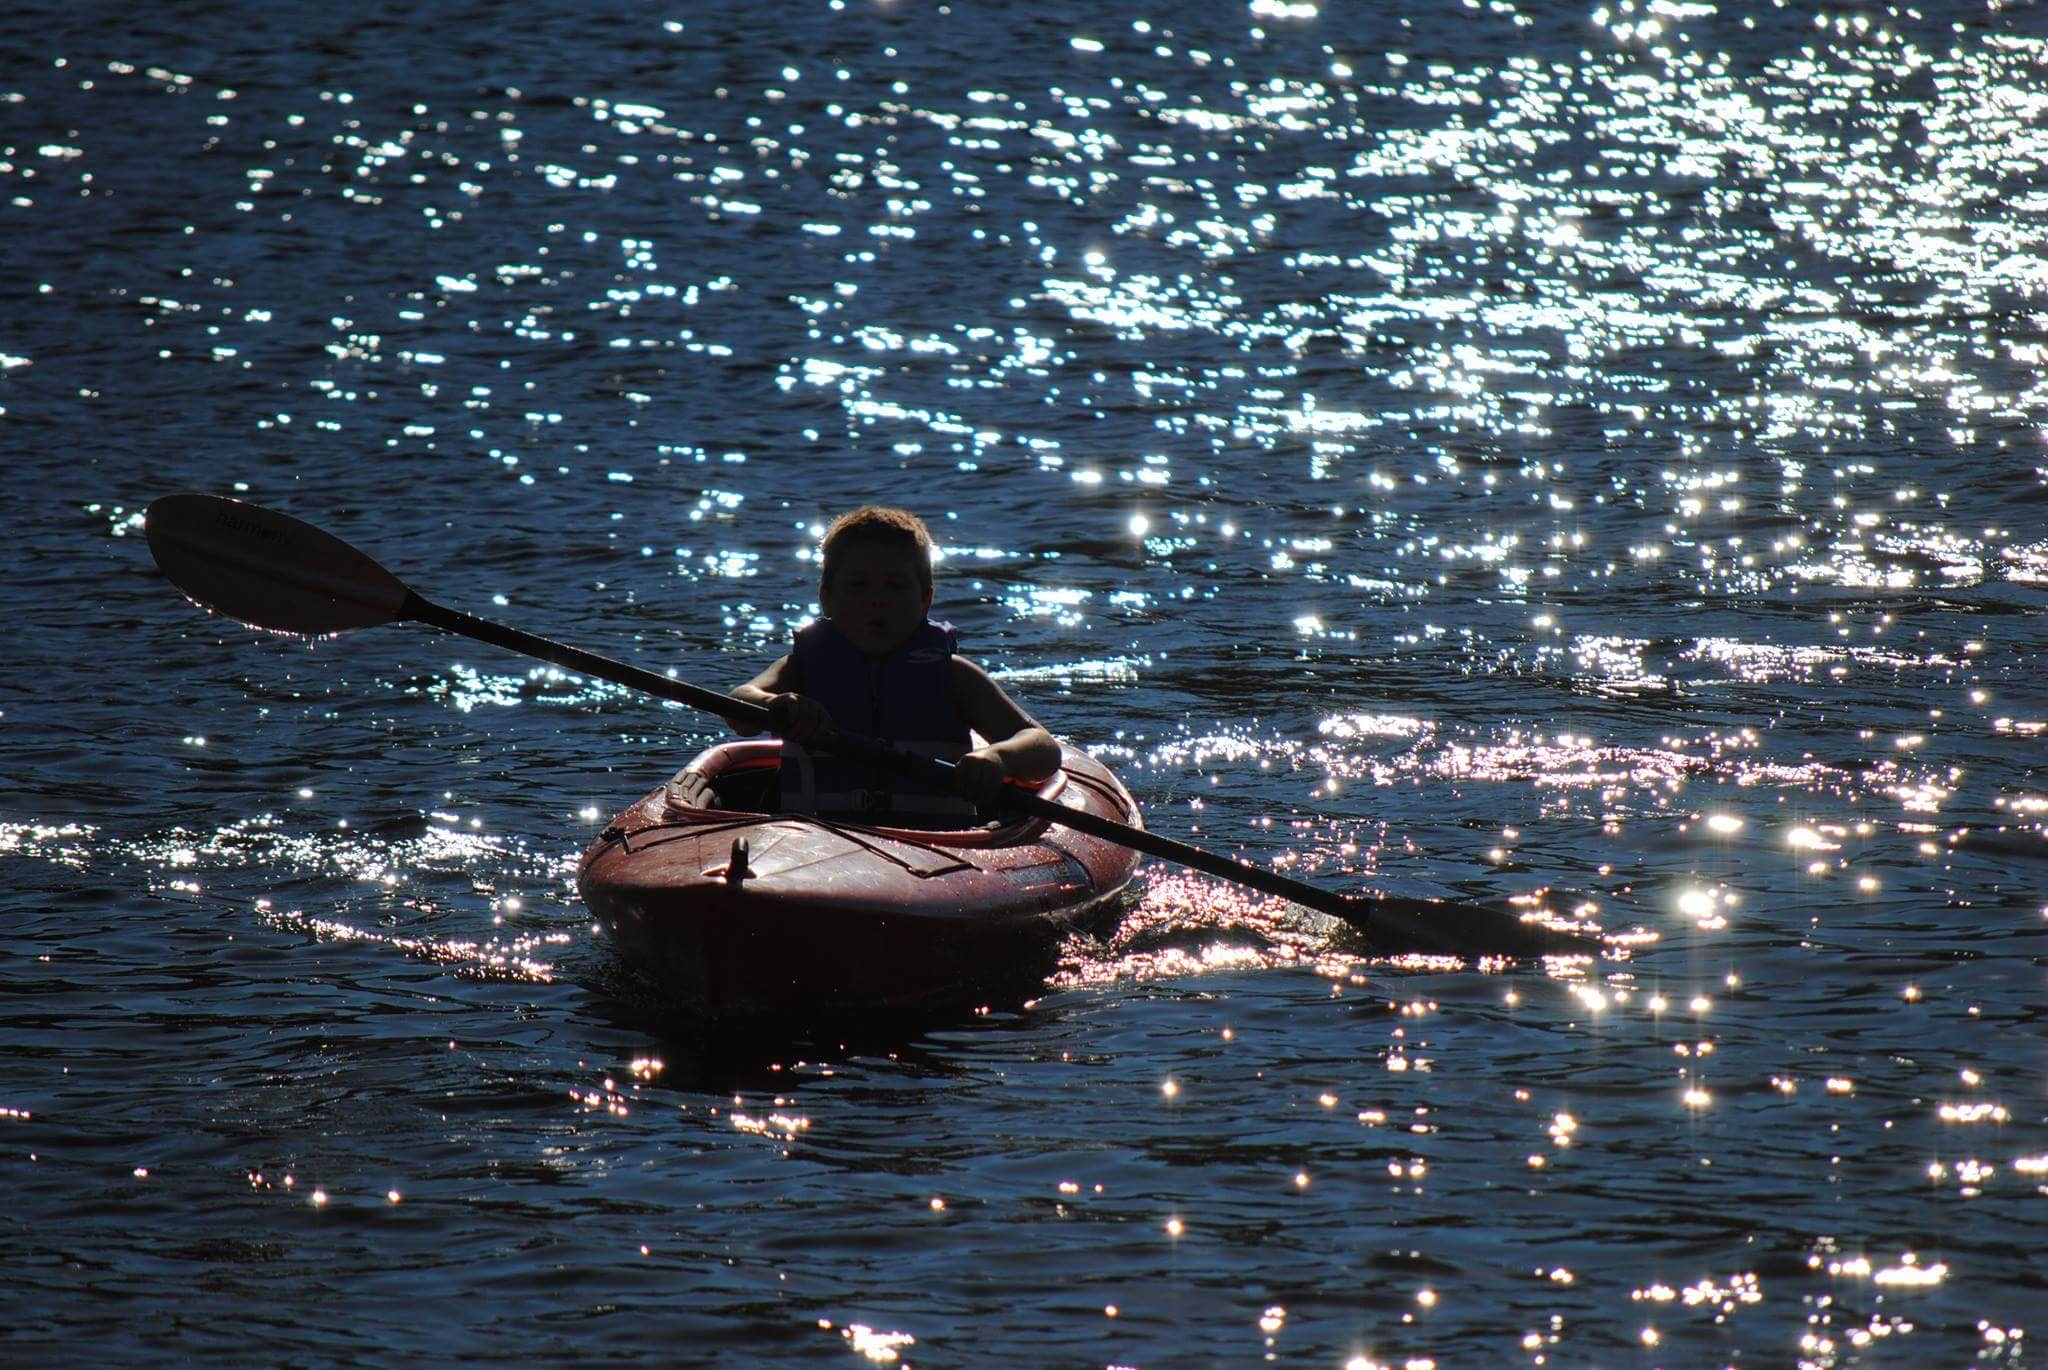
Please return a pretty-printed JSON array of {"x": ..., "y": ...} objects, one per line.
[{"x": 229, "y": 517}]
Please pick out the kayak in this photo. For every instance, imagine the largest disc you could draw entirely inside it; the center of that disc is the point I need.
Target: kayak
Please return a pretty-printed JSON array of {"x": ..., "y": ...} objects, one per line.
[{"x": 740, "y": 911}]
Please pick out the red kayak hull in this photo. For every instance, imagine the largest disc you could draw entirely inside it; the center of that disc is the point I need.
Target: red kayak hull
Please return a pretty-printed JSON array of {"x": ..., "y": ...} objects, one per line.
[{"x": 830, "y": 918}]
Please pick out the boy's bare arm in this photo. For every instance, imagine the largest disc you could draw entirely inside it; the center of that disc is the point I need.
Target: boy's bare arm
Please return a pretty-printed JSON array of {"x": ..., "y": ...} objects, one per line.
[
  {"x": 1017, "y": 745},
  {"x": 777, "y": 679},
  {"x": 778, "y": 689}
]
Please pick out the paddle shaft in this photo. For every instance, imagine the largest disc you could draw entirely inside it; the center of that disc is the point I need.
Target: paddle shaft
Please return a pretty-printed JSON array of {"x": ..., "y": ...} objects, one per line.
[
  {"x": 421, "y": 610},
  {"x": 866, "y": 750},
  {"x": 1418, "y": 920}
]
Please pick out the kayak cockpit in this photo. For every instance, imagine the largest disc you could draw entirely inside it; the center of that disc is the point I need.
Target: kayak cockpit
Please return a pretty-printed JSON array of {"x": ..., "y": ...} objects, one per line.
[{"x": 736, "y": 779}]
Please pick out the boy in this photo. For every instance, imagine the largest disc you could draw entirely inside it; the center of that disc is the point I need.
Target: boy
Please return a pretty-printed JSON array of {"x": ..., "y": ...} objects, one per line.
[{"x": 874, "y": 664}]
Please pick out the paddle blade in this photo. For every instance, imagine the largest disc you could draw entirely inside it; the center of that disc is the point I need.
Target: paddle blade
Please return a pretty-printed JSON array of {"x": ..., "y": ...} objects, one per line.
[{"x": 268, "y": 569}]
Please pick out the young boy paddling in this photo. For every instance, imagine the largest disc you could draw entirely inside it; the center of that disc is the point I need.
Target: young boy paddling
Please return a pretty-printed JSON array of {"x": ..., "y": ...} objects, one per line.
[{"x": 874, "y": 664}]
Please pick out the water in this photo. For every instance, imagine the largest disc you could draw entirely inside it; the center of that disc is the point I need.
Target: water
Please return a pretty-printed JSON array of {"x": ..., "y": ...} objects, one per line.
[{"x": 1590, "y": 454}]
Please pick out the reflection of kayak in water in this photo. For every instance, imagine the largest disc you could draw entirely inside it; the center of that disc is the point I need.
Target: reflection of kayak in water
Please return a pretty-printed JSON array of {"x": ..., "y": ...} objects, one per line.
[{"x": 745, "y": 912}]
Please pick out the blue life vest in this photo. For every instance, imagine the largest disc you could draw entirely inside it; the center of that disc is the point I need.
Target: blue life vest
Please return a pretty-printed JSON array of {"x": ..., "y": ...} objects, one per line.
[{"x": 902, "y": 699}]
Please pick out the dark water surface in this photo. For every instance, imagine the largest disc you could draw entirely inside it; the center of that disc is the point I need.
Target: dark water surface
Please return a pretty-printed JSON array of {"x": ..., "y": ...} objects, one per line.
[{"x": 1583, "y": 452}]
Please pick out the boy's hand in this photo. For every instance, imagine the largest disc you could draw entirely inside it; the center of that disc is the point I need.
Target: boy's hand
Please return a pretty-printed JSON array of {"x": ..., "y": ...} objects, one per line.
[
  {"x": 980, "y": 775},
  {"x": 799, "y": 718}
]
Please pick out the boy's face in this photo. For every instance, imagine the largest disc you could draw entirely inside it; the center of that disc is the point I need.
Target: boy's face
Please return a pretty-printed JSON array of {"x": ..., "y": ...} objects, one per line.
[{"x": 877, "y": 598}]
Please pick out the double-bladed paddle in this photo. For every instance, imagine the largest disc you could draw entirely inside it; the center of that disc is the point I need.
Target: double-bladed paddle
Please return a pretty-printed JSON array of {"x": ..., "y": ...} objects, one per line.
[{"x": 274, "y": 572}]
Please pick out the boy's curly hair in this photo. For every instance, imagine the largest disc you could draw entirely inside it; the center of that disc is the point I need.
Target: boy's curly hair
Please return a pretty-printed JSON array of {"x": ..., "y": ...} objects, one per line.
[{"x": 883, "y": 524}]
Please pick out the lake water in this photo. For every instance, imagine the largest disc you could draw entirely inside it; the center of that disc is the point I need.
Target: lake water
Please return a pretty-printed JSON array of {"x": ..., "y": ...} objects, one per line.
[{"x": 1581, "y": 453}]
